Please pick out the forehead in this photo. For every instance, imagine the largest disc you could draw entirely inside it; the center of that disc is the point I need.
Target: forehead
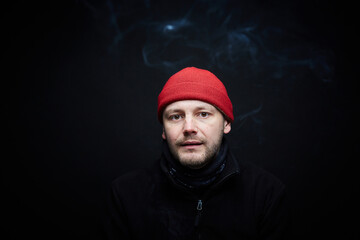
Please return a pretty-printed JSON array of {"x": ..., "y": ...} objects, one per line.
[{"x": 189, "y": 105}]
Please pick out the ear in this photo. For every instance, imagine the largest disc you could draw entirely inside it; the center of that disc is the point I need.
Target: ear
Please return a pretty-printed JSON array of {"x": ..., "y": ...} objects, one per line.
[
  {"x": 227, "y": 127},
  {"x": 163, "y": 135}
]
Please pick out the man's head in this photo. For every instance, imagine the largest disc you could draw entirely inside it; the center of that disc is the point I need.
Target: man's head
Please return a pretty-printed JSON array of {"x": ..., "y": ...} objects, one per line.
[{"x": 196, "y": 111}]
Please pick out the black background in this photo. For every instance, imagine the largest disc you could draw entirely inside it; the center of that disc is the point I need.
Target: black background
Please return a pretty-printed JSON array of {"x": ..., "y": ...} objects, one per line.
[{"x": 80, "y": 85}]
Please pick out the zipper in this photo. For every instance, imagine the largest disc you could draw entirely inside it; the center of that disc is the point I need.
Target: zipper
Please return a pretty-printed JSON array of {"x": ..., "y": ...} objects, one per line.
[
  {"x": 199, "y": 205},
  {"x": 198, "y": 214}
]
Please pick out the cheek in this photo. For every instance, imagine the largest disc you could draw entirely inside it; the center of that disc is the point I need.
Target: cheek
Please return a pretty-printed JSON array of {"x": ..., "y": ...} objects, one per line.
[
  {"x": 213, "y": 133},
  {"x": 211, "y": 129},
  {"x": 170, "y": 134}
]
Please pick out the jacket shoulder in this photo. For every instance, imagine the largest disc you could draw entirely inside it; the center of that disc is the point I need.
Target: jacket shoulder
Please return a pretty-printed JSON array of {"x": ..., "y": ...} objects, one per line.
[
  {"x": 257, "y": 177},
  {"x": 135, "y": 180}
]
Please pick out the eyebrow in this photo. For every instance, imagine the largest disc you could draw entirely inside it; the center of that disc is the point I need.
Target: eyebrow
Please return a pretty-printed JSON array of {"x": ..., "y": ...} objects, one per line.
[{"x": 173, "y": 110}]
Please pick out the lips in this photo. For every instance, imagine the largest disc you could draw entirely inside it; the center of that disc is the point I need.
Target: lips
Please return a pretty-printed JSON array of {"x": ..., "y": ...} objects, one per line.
[{"x": 191, "y": 143}]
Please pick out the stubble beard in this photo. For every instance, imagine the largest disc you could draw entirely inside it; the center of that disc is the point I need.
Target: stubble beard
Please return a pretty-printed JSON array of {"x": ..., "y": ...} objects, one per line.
[{"x": 195, "y": 160}]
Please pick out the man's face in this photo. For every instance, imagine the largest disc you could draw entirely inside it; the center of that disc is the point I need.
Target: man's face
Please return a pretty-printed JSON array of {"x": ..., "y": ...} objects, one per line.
[{"x": 193, "y": 130}]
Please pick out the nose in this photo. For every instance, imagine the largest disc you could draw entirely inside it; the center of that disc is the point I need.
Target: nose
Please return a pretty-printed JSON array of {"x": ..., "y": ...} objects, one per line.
[{"x": 189, "y": 126}]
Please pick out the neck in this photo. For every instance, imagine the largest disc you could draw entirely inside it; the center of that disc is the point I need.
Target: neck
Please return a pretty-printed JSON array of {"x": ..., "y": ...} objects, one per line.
[{"x": 199, "y": 177}]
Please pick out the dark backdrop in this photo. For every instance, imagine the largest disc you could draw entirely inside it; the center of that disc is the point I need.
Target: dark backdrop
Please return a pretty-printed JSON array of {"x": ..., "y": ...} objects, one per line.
[{"x": 80, "y": 85}]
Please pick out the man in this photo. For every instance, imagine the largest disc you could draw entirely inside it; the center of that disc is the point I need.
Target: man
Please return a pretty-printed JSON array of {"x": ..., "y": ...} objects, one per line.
[{"x": 197, "y": 190}]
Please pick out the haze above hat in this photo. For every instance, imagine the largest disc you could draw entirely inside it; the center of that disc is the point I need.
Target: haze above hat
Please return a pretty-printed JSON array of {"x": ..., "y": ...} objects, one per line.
[{"x": 192, "y": 83}]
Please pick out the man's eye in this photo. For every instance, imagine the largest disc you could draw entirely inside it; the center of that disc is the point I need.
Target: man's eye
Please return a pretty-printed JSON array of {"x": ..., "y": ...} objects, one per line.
[
  {"x": 175, "y": 117},
  {"x": 204, "y": 114}
]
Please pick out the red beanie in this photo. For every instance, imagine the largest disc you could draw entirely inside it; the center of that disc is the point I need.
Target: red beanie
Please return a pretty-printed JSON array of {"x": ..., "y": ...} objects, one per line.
[{"x": 195, "y": 84}]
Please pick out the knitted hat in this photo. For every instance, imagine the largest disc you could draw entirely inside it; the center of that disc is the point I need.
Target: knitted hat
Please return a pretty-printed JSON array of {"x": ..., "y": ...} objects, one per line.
[{"x": 195, "y": 84}]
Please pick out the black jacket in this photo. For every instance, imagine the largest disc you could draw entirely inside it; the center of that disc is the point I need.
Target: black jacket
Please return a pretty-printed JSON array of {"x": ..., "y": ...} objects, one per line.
[{"x": 245, "y": 202}]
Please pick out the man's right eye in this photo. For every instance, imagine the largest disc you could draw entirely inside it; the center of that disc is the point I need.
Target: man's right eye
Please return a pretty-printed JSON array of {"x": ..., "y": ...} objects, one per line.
[{"x": 175, "y": 117}]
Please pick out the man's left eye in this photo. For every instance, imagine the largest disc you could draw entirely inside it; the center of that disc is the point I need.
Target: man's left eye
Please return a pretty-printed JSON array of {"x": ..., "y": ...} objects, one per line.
[{"x": 204, "y": 114}]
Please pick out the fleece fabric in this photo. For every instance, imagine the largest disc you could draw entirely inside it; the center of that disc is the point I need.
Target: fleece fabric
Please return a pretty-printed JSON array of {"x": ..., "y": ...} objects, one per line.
[{"x": 245, "y": 202}]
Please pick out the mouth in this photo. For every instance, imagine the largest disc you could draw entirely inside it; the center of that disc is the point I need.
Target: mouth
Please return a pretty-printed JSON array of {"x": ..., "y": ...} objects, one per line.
[{"x": 191, "y": 144}]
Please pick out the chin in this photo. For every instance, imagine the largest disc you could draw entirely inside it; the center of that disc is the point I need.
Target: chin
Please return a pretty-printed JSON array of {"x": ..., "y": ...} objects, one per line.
[{"x": 193, "y": 162}]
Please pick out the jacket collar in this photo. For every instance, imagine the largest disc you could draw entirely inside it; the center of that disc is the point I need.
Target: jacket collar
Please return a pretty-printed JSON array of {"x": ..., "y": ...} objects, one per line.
[{"x": 231, "y": 169}]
